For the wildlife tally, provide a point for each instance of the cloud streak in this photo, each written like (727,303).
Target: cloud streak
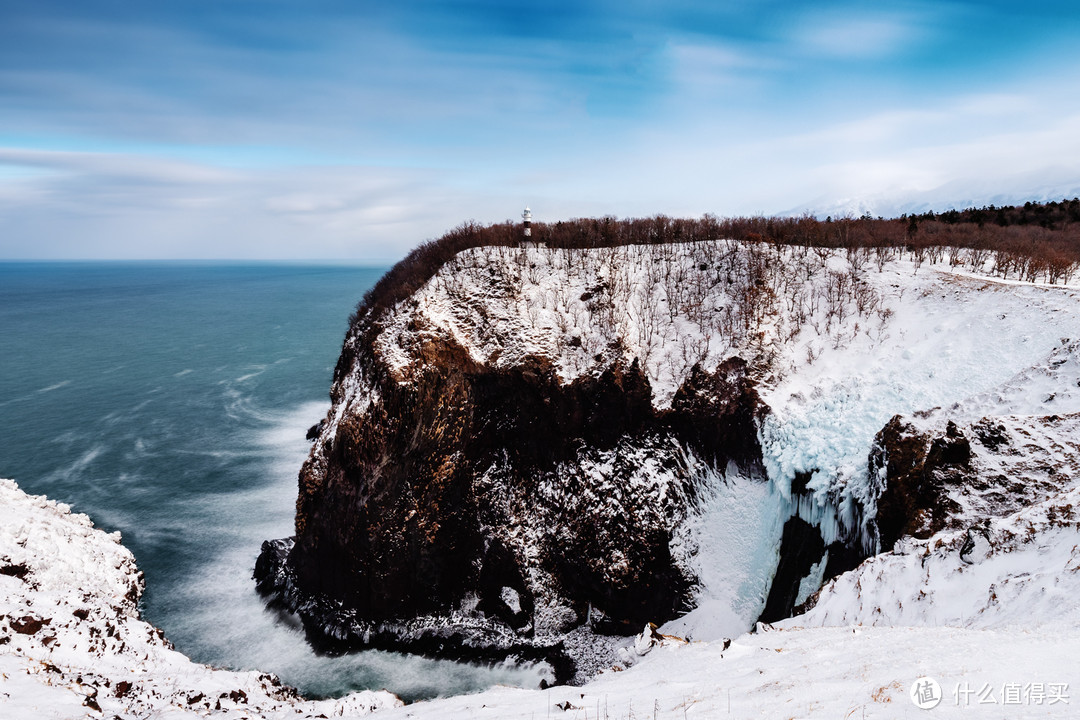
(332,129)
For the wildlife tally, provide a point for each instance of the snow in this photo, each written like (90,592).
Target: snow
(998,629)
(799,673)
(1024,649)
(732,545)
(1023,567)
(632,475)
(998,621)
(952,339)
(838,341)
(72,644)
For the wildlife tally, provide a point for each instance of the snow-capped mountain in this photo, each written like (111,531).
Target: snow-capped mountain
(1053,184)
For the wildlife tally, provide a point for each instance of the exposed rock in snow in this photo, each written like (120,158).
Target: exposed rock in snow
(1006,554)
(72,644)
(581,426)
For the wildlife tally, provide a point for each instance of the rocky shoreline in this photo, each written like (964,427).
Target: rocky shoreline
(72,642)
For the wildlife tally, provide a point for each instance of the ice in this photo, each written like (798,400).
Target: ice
(733,544)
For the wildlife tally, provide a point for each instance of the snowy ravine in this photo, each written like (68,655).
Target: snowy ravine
(962,388)
(990,612)
(72,644)
(833,343)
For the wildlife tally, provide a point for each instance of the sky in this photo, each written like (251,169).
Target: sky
(316,129)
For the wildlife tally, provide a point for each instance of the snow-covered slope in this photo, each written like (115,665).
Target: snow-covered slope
(825,672)
(1009,555)
(72,644)
(986,608)
(837,345)
(838,342)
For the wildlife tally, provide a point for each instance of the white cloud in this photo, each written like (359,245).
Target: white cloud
(122,205)
(855,38)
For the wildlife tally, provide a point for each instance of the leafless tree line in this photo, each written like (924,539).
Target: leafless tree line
(671,305)
(1036,242)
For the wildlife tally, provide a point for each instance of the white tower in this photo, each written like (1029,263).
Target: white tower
(527,217)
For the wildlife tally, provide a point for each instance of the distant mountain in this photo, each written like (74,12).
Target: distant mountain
(1044,186)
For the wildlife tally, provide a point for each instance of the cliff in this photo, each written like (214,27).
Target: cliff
(541,445)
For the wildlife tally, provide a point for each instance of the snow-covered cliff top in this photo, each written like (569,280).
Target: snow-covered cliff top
(839,342)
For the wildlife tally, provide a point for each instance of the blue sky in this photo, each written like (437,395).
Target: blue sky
(273,129)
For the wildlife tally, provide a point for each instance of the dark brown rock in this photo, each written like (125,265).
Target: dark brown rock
(402,513)
(716,414)
(29,625)
(18,570)
(918,470)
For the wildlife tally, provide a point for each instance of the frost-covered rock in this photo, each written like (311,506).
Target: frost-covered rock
(72,644)
(1006,554)
(617,435)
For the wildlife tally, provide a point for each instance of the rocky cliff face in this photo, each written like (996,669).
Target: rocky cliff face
(512,505)
(541,445)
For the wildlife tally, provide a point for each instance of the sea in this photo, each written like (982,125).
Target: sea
(169,401)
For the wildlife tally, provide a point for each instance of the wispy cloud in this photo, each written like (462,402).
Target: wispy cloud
(351,130)
(107,205)
(859,37)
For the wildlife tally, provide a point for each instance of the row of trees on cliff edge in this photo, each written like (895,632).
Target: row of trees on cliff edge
(1030,242)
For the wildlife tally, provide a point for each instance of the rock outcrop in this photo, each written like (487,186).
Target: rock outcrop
(938,475)
(918,470)
(480,511)
(518,444)
(514,449)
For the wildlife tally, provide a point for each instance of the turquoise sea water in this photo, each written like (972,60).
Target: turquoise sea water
(169,401)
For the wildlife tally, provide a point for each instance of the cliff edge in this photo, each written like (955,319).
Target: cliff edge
(542,446)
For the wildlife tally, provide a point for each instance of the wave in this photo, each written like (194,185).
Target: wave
(57,386)
(227,623)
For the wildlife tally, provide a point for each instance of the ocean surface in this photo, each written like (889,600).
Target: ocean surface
(169,401)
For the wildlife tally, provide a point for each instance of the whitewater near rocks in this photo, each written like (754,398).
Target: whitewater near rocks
(961,387)
(72,644)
